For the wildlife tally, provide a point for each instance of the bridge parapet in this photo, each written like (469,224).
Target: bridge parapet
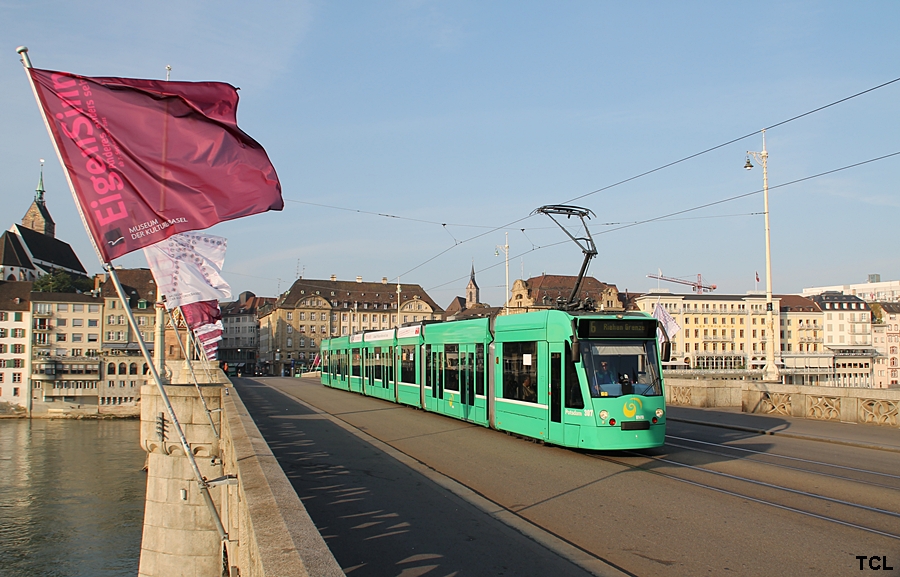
(840,404)
(269,531)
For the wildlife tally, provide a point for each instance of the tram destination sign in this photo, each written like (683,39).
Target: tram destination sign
(616,329)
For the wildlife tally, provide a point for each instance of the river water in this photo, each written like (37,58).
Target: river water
(71,497)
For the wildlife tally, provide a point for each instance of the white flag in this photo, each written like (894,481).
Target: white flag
(669,324)
(187,268)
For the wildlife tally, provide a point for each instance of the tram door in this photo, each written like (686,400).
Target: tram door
(555,428)
(356,381)
(437,389)
(467,381)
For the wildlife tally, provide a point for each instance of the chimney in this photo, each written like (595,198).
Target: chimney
(333,278)
(384,280)
(359,279)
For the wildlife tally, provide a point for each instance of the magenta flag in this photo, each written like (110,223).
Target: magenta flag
(201,313)
(151,158)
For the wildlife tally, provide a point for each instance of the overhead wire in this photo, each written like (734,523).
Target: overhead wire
(732,141)
(673,163)
(692,209)
(615,184)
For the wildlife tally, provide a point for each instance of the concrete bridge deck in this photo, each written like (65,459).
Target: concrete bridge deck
(372,485)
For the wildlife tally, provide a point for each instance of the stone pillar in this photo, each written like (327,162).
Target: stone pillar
(180,537)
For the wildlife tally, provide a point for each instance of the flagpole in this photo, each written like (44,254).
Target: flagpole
(204,486)
(201,480)
(26,62)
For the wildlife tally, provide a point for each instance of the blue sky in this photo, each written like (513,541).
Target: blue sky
(474,114)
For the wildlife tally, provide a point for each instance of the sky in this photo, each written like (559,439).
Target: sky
(458,119)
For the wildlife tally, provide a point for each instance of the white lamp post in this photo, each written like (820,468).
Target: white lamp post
(770,372)
(505,249)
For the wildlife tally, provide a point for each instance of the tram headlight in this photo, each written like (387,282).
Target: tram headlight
(659,412)
(604,414)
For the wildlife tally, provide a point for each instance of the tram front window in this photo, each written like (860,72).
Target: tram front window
(616,368)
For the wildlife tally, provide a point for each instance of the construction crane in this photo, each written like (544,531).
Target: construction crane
(697,285)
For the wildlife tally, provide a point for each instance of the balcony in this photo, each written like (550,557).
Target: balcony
(42,325)
(47,368)
(42,314)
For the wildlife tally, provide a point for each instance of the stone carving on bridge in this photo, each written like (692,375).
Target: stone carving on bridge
(824,408)
(681,395)
(776,404)
(879,412)
(174,448)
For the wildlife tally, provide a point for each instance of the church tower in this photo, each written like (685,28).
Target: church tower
(473,293)
(38,217)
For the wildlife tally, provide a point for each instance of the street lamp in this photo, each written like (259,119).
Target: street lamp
(505,249)
(770,372)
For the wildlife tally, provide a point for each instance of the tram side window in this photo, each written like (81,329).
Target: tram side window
(520,371)
(408,364)
(574,398)
(479,369)
(429,366)
(451,367)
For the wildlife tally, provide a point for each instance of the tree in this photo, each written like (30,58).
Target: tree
(58,281)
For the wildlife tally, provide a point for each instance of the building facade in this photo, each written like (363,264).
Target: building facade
(875,290)
(124,367)
(15,346)
(239,347)
(886,341)
(848,335)
(292,329)
(805,360)
(66,353)
(817,341)
(545,291)
(726,332)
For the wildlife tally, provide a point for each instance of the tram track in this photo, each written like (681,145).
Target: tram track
(729,450)
(830,504)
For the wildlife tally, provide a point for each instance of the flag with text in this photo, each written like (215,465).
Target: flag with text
(148,159)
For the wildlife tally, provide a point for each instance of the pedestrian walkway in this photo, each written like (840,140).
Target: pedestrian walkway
(883,438)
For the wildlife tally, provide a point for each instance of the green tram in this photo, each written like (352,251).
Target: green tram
(585,380)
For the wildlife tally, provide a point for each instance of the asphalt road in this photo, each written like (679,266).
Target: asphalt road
(396,491)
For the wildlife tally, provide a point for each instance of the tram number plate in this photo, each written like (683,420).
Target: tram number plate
(635,425)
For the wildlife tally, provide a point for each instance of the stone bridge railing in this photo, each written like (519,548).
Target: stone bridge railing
(843,404)
(268,530)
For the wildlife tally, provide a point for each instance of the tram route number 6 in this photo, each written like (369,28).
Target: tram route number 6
(875,563)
